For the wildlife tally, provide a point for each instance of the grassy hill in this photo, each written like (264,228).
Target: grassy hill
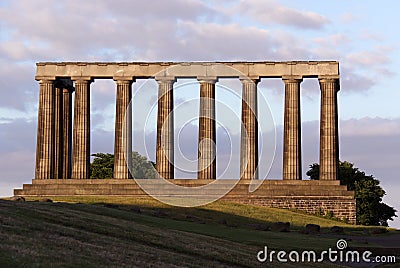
(123,231)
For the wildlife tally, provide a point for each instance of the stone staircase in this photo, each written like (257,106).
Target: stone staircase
(310,196)
(130,187)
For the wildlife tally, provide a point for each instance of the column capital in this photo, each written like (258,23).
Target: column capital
(292,79)
(124,79)
(165,79)
(329,80)
(45,79)
(328,77)
(207,79)
(249,80)
(82,79)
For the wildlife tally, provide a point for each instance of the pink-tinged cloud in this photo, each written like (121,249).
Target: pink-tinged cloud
(368,126)
(338,39)
(273,12)
(376,57)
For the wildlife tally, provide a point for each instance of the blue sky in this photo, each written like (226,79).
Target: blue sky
(361,35)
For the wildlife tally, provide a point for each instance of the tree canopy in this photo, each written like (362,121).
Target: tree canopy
(102,166)
(368,194)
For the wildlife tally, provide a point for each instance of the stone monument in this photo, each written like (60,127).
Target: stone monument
(63,142)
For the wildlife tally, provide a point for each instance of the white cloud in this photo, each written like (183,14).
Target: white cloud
(214,41)
(376,57)
(273,12)
(360,69)
(82,30)
(347,17)
(338,39)
(367,126)
(353,81)
(18,87)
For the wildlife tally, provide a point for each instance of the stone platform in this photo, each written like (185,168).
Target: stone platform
(310,196)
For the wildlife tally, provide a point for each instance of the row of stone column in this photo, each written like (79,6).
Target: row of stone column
(207,130)
(63,152)
(329,146)
(249,135)
(58,158)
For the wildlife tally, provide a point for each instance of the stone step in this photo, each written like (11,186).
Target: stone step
(213,192)
(243,189)
(268,188)
(189,182)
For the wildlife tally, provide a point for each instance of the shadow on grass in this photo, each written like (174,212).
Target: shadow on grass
(94,231)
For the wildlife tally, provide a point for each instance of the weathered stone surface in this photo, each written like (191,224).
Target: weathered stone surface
(312,228)
(337,229)
(249,131)
(309,69)
(259,227)
(59,137)
(165,129)
(207,131)
(45,134)
(280,227)
(67,133)
(81,132)
(305,195)
(329,140)
(63,129)
(123,129)
(18,198)
(292,130)
(44,200)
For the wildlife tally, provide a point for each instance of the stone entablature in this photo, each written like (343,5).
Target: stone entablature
(110,70)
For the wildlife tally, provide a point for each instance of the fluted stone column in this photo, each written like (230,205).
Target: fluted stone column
(59,136)
(249,131)
(292,130)
(165,128)
(329,145)
(45,136)
(81,131)
(123,129)
(207,130)
(67,133)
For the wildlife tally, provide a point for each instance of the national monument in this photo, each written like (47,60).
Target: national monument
(63,142)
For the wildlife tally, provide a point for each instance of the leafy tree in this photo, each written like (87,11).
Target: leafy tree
(102,166)
(368,193)
(142,168)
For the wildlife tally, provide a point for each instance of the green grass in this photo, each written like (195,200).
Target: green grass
(110,231)
(235,214)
